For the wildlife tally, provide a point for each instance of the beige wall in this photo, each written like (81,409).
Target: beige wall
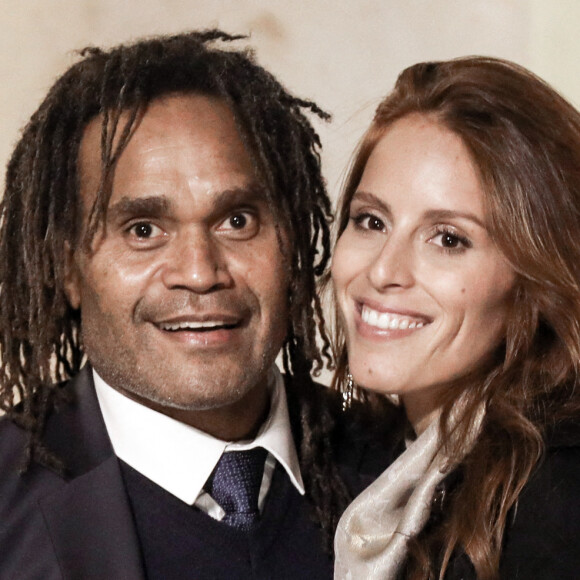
(343,53)
(555,44)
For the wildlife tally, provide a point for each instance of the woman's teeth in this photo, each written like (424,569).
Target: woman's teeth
(388,320)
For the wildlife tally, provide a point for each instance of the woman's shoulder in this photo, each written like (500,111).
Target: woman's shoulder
(542,540)
(554,485)
(564,434)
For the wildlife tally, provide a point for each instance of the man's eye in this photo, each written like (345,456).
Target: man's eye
(238,221)
(241,225)
(145,230)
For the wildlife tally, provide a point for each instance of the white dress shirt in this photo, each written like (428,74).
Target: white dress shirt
(180,458)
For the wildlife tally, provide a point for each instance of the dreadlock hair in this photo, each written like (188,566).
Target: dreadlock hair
(40,334)
(524,141)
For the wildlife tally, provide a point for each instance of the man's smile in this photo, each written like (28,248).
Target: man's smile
(195,326)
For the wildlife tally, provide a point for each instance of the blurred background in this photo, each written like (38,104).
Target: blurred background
(344,54)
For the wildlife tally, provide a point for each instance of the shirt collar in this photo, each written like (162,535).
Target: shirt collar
(180,458)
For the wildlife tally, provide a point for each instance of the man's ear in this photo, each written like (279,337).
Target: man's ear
(72,277)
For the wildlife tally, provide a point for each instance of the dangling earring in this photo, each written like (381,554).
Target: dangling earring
(347,394)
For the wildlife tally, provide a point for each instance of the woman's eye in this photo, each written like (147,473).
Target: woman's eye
(450,241)
(368,221)
(145,230)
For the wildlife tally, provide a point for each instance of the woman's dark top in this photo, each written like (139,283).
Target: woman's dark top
(542,538)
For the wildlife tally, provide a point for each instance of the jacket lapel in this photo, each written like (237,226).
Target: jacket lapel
(88,517)
(90,524)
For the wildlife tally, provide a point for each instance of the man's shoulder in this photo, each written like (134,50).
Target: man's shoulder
(65,424)
(13,441)
(23,544)
(40,505)
(22,481)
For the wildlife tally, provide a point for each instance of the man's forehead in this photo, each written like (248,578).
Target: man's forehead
(161,125)
(92,137)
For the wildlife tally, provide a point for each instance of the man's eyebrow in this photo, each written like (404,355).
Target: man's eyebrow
(431,214)
(151,206)
(160,205)
(253,192)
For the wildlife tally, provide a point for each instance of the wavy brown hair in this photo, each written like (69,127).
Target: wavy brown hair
(524,140)
(40,334)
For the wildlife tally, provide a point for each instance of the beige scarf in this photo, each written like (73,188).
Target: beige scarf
(372,535)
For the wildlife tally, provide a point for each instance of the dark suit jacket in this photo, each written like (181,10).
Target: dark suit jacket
(81,526)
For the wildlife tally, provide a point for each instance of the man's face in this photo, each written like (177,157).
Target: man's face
(183,298)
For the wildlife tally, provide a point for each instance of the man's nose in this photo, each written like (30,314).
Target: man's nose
(196,262)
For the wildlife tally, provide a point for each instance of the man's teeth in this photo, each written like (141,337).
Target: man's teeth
(191,325)
(388,320)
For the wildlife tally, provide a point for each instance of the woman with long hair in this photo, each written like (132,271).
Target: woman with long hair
(457,283)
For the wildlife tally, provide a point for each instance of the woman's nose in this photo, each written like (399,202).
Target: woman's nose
(393,264)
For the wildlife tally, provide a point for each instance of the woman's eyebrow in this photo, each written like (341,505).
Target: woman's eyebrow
(430,214)
(366,196)
(444,214)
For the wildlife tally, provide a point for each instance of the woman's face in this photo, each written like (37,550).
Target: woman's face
(422,290)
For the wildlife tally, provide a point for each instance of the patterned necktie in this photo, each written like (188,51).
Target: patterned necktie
(235,486)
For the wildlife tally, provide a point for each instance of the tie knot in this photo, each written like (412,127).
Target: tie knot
(235,485)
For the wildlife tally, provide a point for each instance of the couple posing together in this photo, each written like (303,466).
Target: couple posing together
(164,228)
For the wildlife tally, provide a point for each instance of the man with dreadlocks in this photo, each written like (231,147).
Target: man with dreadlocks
(163,224)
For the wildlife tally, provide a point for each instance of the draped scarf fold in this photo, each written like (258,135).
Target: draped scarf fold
(372,534)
